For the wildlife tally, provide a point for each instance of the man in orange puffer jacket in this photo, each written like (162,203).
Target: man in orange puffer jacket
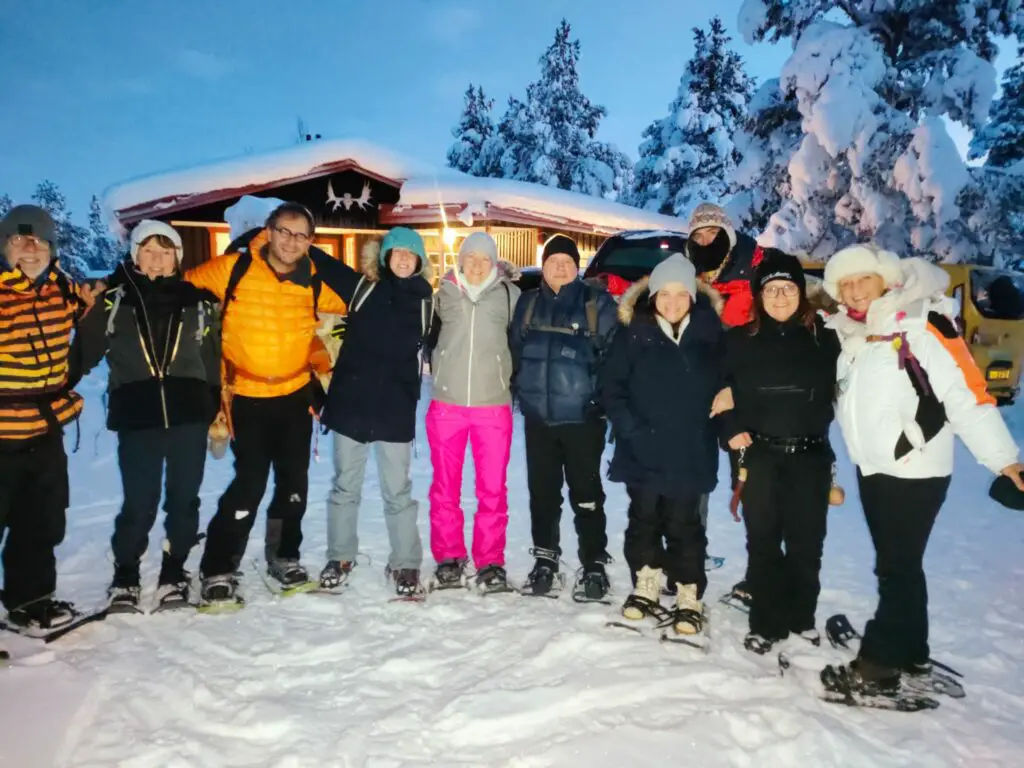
(269,329)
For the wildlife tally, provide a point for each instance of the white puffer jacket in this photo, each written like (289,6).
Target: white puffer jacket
(877,402)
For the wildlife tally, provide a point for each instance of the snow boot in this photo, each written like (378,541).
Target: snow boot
(647,590)
(861,677)
(124,590)
(43,615)
(544,576)
(592,584)
(758,643)
(335,574)
(492,579)
(173,585)
(220,593)
(288,572)
(449,574)
(407,582)
(689,611)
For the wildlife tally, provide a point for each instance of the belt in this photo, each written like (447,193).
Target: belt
(790,444)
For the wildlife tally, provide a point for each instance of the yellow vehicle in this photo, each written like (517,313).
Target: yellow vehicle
(990,306)
(990,317)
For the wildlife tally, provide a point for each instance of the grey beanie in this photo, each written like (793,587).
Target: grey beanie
(29,220)
(481,244)
(675,269)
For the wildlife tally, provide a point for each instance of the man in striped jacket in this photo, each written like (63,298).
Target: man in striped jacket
(39,307)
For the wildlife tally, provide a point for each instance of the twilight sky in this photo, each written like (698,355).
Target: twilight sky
(97,91)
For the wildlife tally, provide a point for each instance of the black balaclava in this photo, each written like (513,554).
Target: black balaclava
(708,258)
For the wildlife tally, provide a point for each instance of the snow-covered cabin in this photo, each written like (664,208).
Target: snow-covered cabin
(358,190)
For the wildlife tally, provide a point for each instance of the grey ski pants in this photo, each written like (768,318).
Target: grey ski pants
(400,509)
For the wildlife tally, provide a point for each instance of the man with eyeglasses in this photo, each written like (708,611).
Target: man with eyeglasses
(39,309)
(270,294)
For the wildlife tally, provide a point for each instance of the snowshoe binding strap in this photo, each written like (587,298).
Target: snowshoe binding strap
(688,616)
(840,632)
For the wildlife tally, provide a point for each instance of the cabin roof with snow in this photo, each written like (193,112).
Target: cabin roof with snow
(354,183)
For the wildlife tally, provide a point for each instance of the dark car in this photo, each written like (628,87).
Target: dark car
(633,254)
(529,278)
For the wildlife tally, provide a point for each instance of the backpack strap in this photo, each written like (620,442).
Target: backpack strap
(238,271)
(591,310)
(531,305)
(317,284)
(508,299)
(112,307)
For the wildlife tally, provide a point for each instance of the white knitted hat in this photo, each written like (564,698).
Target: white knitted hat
(861,260)
(149,227)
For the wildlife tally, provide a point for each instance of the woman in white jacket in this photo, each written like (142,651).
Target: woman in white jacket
(907,384)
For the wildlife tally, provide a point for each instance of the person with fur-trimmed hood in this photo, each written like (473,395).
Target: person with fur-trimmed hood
(157,333)
(371,402)
(781,368)
(472,401)
(657,386)
(907,384)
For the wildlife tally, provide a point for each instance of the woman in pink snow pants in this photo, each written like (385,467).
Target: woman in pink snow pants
(471,367)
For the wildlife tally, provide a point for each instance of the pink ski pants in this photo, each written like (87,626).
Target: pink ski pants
(489,431)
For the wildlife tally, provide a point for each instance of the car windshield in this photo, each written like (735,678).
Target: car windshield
(633,259)
(998,294)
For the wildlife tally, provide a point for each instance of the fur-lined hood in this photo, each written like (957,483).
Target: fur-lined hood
(507,271)
(369,263)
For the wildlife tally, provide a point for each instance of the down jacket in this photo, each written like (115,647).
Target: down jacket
(270,326)
(879,408)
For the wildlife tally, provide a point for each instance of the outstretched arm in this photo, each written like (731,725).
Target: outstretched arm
(337,275)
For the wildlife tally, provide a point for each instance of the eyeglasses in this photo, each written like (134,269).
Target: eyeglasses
(774,291)
(286,233)
(29,242)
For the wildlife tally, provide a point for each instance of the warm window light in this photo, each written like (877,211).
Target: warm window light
(448,237)
(540,253)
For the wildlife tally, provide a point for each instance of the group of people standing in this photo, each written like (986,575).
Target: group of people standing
(719,347)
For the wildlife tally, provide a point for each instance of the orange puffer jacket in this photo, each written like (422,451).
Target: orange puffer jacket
(269,331)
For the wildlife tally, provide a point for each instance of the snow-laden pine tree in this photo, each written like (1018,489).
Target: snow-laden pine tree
(5,204)
(475,126)
(72,240)
(688,156)
(550,137)
(104,250)
(871,81)
(1003,136)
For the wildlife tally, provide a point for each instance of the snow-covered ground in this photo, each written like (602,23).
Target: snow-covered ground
(318,681)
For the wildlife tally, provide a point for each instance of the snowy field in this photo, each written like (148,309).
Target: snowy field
(322,681)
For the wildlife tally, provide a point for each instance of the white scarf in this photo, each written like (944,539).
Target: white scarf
(476,291)
(666,327)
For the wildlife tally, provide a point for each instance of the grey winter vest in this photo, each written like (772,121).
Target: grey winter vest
(472,365)
(127,355)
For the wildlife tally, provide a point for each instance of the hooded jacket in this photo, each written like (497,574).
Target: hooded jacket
(879,406)
(376,382)
(471,363)
(657,392)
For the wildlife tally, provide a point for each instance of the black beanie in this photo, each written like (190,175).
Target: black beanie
(1006,493)
(561,244)
(778,265)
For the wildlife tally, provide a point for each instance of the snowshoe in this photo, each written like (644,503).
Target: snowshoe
(712,563)
(124,599)
(879,689)
(449,574)
(492,580)
(926,679)
(840,632)
(219,594)
(285,578)
(738,597)
(688,619)
(335,575)
(758,644)
(591,585)
(407,585)
(49,619)
(544,580)
(172,597)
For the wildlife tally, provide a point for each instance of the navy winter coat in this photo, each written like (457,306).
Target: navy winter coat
(555,361)
(658,396)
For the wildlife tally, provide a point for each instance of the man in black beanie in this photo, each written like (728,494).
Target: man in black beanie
(558,337)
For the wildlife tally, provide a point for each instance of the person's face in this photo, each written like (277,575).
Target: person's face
(780,299)
(476,267)
(289,239)
(858,291)
(559,269)
(673,302)
(28,253)
(156,260)
(705,235)
(402,262)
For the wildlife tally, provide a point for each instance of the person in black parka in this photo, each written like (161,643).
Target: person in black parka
(159,338)
(657,387)
(782,372)
(372,398)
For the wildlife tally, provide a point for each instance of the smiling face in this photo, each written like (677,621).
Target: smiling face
(780,299)
(559,270)
(28,253)
(156,258)
(673,302)
(858,291)
(402,262)
(476,267)
(290,236)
